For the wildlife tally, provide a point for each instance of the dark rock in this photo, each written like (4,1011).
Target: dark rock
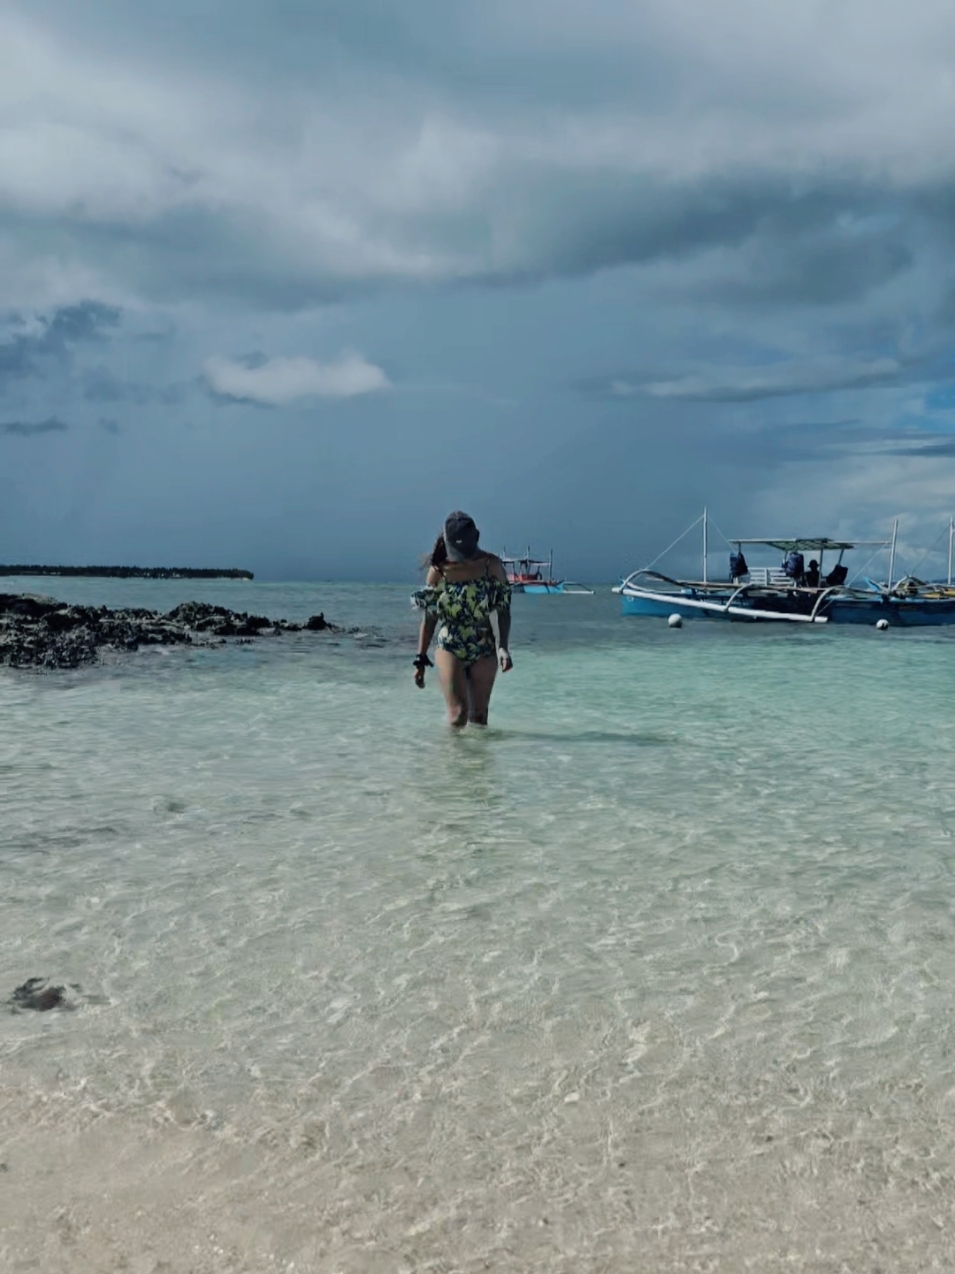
(59,621)
(35,994)
(198,615)
(28,604)
(41,632)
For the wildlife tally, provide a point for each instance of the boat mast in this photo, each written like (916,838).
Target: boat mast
(895,536)
(704,544)
(951,538)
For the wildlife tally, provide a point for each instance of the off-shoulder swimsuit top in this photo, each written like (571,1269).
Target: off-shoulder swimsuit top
(463,609)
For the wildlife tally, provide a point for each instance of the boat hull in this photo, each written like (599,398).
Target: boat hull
(565,588)
(733,605)
(900,612)
(660,608)
(536,588)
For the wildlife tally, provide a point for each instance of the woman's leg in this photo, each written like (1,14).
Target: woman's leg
(480,684)
(454,683)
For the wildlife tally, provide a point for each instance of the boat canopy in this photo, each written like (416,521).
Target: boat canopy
(820,544)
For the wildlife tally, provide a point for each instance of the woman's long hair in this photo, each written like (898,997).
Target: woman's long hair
(438,555)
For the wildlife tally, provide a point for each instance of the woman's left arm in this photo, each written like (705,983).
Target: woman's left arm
(503,618)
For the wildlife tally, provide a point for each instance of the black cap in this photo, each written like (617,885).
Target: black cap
(460,536)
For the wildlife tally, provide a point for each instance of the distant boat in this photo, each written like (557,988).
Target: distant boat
(536,575)
(791,593)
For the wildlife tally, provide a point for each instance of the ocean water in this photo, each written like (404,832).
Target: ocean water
(654,974)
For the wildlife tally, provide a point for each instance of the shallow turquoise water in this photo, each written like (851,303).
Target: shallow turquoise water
(653,974)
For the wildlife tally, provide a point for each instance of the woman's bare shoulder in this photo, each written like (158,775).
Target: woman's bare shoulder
(496,567)
(434,576)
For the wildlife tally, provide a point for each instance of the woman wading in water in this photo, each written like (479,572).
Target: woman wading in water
(468,600)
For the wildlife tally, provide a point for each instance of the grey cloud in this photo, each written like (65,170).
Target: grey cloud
(431,174)
(110,426)
(527,223)
(828,442)
(53,336)
(945,448)
(222,253)
(704,197)
(463,48)
(30,429)
(783,379)
(74,323)
(751,241)
(746,385)
(801,442)
(841,268)
(531,222)
(576,223)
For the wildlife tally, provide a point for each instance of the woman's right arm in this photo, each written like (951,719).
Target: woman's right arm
(429,622)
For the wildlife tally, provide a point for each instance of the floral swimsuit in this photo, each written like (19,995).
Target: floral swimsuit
(463,610)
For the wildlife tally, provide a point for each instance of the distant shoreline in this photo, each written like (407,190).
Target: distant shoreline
(131,572)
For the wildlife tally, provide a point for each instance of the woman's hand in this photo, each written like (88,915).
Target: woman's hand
(420,663)
(505,660)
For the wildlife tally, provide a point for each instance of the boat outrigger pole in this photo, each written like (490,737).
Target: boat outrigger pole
(951,539)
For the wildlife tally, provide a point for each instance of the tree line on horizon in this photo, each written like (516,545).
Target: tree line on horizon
(132,572)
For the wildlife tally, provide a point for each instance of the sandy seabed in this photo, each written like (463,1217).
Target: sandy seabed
(86,1192)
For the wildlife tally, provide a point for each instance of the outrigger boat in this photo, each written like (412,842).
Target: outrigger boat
(535,575)
(792,593)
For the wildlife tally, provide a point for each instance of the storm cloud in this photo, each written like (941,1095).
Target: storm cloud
(720,222)
(28,342)
(30,429)
(482,145)
(744,385)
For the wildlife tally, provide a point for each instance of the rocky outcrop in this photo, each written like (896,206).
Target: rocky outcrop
(41,632)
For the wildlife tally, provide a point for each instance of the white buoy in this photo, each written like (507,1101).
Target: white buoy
(675,621)
(882,625)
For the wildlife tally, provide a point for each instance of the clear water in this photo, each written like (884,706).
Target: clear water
(654,974)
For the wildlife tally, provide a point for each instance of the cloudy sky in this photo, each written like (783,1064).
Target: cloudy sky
(284,281)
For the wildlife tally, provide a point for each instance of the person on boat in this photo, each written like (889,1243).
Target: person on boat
(793,566)
(468,600)
(812,574)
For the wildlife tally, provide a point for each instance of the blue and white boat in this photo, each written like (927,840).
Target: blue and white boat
(536,575)
(793,592)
